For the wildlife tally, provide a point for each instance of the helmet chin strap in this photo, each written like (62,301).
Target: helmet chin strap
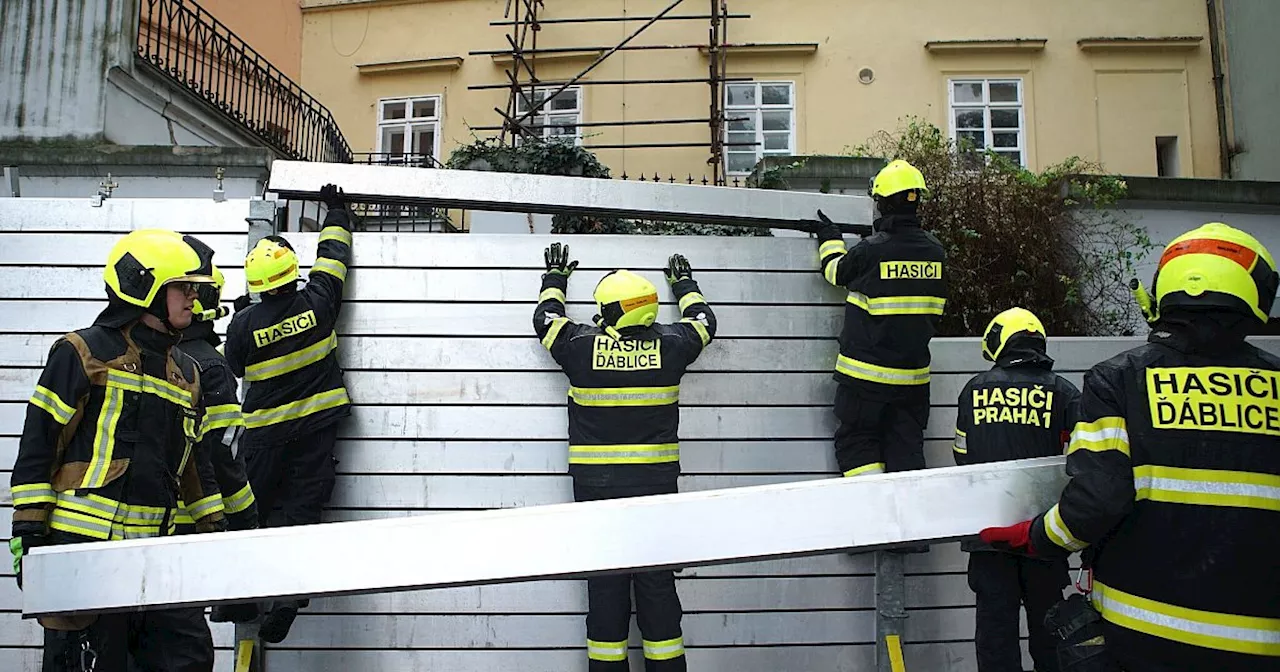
(211,314)
(608,329)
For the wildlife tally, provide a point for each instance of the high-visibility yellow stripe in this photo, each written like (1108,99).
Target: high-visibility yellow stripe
(691,299)
(1207,487)
(667,649)
(244,655)
(645,453)
(110,511)
(335,233)
(104,437)
(221,417)
(961,444)
(1224,632)
(297,409)
(331,266)
(699,327)
(830,270)
(898,305)
(881,374)
(610,652)
(49,401)
(866,470)
(150,385)
(552,333)
(206,506)
(625,396)
(1101,435)
(1059,533)
(831,247)
(893,644)
(32,493)
(278,366)
(552,293)
(241,500)
(77,523)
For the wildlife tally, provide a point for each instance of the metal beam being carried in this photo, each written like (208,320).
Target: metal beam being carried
(549,194)
(459,549)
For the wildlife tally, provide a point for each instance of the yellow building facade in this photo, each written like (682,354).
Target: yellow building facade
(1129,83)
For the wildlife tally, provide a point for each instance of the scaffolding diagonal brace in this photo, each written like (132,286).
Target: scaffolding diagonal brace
(476,548)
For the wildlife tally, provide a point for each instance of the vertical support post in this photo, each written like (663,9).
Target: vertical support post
(9,185)
(891,611)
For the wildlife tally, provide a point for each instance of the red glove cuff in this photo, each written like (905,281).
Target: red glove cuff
(1017,537)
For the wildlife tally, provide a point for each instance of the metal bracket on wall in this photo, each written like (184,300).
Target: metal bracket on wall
(104,191)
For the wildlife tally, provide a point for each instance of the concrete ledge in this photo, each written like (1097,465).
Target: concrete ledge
(1187,190)
(35,154)
(1002,46)
(1175,43)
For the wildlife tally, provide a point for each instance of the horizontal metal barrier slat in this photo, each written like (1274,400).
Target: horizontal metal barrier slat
(90,249)
(199,216)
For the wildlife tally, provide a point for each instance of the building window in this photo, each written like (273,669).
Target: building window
(987,114)
(761,122)
(409,130)
(557,119)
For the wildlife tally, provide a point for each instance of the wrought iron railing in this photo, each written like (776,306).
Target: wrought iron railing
(187,44)
(390,159)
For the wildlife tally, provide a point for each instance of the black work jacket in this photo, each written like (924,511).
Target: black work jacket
(624,394)
(897,293)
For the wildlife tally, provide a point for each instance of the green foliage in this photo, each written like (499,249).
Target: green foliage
(557,157)
(1048,241)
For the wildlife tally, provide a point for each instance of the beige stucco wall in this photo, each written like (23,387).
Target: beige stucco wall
(272,27)
(1107,105)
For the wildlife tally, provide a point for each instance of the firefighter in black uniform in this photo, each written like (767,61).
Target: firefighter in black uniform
(1175,471)
(624,376)
(285,348)
(1019,409)
(896,296)
(110,443)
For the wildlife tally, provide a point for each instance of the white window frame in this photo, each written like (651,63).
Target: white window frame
(409,121)
(543,113)
(756,110)
(986,106)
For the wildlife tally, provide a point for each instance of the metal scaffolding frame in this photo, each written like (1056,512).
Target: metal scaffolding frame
(524,20)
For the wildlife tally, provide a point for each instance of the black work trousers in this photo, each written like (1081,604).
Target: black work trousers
(296,475)
(658,610)
(171,640)
(1003,583)
(877,436)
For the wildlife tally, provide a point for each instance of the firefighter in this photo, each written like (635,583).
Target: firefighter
(896,295)
(1019,409)
(285,348)
(1175,471)
(110,444)
(222,425)
(624,376)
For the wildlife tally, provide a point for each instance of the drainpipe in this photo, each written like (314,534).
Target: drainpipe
(1219,88)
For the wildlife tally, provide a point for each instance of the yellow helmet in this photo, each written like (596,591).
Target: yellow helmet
(897,177)
(625,299)
(1217,265)
(208,304)
(269,266)
(145,260)
(1005,326)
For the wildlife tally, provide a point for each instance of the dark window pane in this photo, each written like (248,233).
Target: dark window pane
(393,110)
(969,118)
(741,163)
(1004,92)
(775,94)
(777,141)
(971,139)
(1004,117)
(424,108)
(1005,139)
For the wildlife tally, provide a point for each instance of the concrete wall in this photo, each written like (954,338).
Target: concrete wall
(54,58)
(272,27)
(1251,28)
(1107,105)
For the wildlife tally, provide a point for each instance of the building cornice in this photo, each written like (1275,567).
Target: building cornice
(1174,43)
(444,63)
(1018,45)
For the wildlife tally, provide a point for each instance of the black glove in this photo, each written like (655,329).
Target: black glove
(19,546)
(677,269)
(333,197)
(558,262)
(242,302)
(827,229)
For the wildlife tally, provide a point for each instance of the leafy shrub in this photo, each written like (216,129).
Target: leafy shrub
(1047,241)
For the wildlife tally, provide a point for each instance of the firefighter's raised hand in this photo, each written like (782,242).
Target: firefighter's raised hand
(826,229)
(677,269)
(333,196)
(558,262)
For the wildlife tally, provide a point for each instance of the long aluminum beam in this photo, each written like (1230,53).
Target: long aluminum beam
(561,540)
(547,194)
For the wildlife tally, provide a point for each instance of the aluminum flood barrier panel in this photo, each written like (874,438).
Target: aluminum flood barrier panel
(550,194)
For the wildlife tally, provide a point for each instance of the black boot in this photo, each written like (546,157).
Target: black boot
(275,627)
